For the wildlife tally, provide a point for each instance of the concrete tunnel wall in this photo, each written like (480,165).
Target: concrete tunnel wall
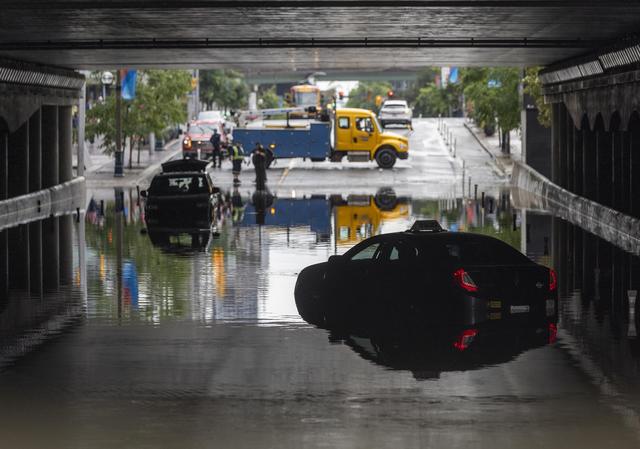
(35,170)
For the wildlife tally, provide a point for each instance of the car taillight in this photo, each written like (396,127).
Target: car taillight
(553,280)
(465,339)
(553,333)
(186,143)
(464,280)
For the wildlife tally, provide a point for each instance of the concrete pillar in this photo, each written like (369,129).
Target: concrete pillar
(65,150)
(536,139)
(4,193)
(634,167)
(19,185)
(562,146)
(50,162)
(588,264)
(555,142)
(35,184)
(66,249)
(577,257)
(50,177)
(625,179)
(603,167)
(569,167)
(577,161)
(617,194)
(589,163)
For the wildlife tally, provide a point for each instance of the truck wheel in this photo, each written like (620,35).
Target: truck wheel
(386,199)
(386,158)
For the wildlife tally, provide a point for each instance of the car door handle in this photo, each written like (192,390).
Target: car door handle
(355,140)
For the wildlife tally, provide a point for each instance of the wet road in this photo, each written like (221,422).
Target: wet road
(188,340)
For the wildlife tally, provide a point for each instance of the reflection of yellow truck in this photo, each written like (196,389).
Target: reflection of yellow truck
(360,216)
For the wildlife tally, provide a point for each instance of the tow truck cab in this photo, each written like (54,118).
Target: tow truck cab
(359,136)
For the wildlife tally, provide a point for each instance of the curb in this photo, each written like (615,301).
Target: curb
(493,157)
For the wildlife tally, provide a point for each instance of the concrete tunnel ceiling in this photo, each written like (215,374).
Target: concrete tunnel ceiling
(304,35)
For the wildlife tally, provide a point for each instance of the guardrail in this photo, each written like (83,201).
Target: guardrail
(609,224)
(61,199)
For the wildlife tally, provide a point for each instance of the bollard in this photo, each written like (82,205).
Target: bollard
(469,188)
(515,222)
(102,208)
(490,205)
(475,192)
(632,331)
(454,146)
(483,200)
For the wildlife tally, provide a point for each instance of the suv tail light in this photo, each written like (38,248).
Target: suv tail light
(186,143)
(553,280)
(464,280)
(465,339)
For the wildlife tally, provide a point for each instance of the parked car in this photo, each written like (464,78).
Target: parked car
(183,197)
(425,277)
(395,112)
(196,141)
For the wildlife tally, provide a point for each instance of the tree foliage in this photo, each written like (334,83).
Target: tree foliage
(224,88)
(364,95)
(270,99)
(533,87)
(161,98)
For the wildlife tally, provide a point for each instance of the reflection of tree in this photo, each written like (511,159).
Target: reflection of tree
(164,287)
(498,225)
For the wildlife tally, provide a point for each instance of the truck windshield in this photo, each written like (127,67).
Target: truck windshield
(306,99)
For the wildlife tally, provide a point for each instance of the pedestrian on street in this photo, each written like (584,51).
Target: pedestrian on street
(236,153)
(259,159)
(217,153)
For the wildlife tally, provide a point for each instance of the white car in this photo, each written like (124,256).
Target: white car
(211,115)
(395,112)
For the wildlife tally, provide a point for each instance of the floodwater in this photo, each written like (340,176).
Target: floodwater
(193,340)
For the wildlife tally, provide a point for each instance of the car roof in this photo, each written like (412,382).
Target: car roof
(391,102)
(440,236)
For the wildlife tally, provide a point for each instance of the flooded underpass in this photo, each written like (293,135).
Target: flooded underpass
(192,338)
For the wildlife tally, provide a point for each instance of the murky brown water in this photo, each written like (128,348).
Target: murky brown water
(194,340)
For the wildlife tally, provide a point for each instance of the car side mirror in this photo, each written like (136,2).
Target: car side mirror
(143,193)
(336,259)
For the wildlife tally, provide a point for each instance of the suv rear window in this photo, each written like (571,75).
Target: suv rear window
(179,184)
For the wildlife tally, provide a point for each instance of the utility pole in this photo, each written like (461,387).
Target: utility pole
(118,169)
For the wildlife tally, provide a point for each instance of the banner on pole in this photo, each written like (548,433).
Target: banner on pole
(129,84)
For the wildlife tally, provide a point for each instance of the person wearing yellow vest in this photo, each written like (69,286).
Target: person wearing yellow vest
(236,154)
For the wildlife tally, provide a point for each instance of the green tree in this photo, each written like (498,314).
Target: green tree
(364,95)
(493,94)
(161,99)
(269,98)
(224,87)
(533,86)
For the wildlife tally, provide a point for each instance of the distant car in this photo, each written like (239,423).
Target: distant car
(196,142)
(182,197)
(425,278)
(395,112)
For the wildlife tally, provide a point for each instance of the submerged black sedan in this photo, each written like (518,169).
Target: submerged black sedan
(426,278)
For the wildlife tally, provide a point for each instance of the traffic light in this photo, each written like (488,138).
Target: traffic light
(390,94)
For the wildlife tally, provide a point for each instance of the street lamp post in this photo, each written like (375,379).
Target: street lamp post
(118,168)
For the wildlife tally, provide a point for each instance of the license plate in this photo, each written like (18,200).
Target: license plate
(519,309)
(551,307)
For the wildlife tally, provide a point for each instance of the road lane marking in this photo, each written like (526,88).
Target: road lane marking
(286,171)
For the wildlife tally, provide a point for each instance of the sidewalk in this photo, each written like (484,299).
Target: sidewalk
(492,147)
(102,169)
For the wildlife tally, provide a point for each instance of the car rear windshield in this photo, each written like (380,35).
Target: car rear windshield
(197,129)
(484,252)
(394,105)
(178,185)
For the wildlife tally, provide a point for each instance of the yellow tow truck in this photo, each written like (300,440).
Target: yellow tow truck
(352,133)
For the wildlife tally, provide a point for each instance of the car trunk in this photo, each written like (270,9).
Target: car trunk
(517,294)
(184,210)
